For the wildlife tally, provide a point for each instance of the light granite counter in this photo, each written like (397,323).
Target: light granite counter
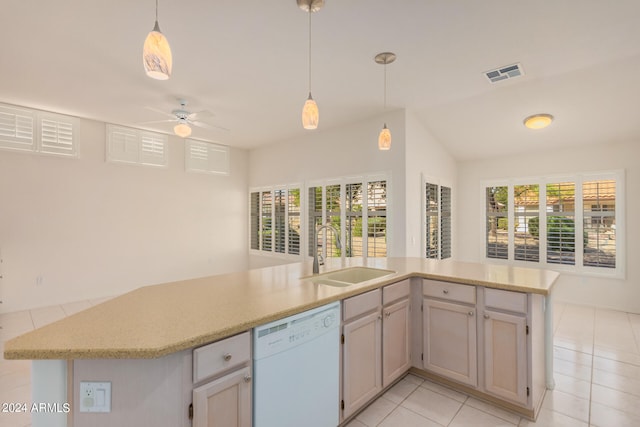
(158,320)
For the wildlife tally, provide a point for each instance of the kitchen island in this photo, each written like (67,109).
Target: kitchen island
(166,320)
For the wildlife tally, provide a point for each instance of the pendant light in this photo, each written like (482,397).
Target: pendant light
(384,139)
(310,113)
(156,54)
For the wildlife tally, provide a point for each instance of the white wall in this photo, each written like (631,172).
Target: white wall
(425,156)
(92,229)
(613,293)
(332,153)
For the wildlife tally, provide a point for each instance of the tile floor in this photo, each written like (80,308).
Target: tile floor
(597,374)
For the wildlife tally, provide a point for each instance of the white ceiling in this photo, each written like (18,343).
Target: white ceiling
(246,61)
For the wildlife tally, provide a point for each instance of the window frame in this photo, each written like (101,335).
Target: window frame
(618,272)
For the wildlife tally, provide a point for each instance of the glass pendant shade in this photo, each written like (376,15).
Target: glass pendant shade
(183,130)
(156,55)
(384,139)
(310,114)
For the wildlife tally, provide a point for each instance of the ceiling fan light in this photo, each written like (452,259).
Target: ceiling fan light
(156,55)
(310,114)
(538,121)
(384,139)
(183,130)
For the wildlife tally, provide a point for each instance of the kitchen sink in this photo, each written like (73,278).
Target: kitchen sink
(349,276)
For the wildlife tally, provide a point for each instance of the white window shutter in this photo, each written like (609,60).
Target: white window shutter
(17,128)
(153,149)
(206,157)
(127,145)
(122,144)
(58,134)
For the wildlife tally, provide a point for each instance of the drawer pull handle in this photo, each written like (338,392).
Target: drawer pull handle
(226,357)
(379,316)
(387,314)
(247,378)
(486,316)
(471,313)
(445,291)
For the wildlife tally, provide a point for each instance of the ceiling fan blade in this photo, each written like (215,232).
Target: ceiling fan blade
(157,121)
(207,125)
(199,115)
(164,113)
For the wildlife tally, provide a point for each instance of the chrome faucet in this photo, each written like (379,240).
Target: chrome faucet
(316,265)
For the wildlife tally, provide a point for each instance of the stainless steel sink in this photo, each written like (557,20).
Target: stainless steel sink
(349,276)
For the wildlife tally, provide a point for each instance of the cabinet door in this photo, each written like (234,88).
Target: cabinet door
(225,402)
(505,356)
(361,362)
(450,341)
(396,356)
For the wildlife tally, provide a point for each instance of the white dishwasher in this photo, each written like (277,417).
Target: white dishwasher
(296,370)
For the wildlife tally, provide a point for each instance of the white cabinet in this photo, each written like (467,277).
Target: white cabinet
(479,337)
(361,351)
(450,340)
(376,343)
(224,371)
(505,345)
(396,331)
(224,402)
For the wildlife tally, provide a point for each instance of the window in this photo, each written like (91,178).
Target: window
(526,222)
(580,228)
(357,209)
(206,157)
(275,220)
(497,224)
(134,146)
(437,221)
(38,131)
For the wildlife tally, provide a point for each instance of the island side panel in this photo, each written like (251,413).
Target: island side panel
(49,400)
(153,392)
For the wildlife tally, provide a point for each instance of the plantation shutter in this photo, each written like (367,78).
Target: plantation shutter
(431,218)
(445,222)
(57,135)
(122,144)
(377,219)
(16,128)
(254,206)
(561,225)
(599,213)
(206,157)
(526,222)
(497,224)
(294,226)
(153,149)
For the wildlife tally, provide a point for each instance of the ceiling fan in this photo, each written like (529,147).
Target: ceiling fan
(185,119)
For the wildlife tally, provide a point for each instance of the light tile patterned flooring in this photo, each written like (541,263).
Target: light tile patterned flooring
(596,364)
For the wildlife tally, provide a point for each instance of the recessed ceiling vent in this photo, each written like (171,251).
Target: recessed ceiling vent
(504,73)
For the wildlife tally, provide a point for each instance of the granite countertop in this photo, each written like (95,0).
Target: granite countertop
(158,320)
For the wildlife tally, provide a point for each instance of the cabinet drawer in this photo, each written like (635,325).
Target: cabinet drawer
(396,291)
(505,300)
(220,356)
(361,304)
(449,291)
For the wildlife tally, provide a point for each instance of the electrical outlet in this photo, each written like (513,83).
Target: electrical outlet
(95,396)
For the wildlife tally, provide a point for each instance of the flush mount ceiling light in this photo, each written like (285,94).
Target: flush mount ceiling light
(384,139)
(310,113)
(182,129)
(156,54)
(538,121)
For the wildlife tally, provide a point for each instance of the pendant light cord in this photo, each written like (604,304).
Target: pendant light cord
(156,10)
(309,49)
(385,86)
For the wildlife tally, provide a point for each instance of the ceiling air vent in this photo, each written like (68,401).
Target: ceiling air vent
(504,73)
